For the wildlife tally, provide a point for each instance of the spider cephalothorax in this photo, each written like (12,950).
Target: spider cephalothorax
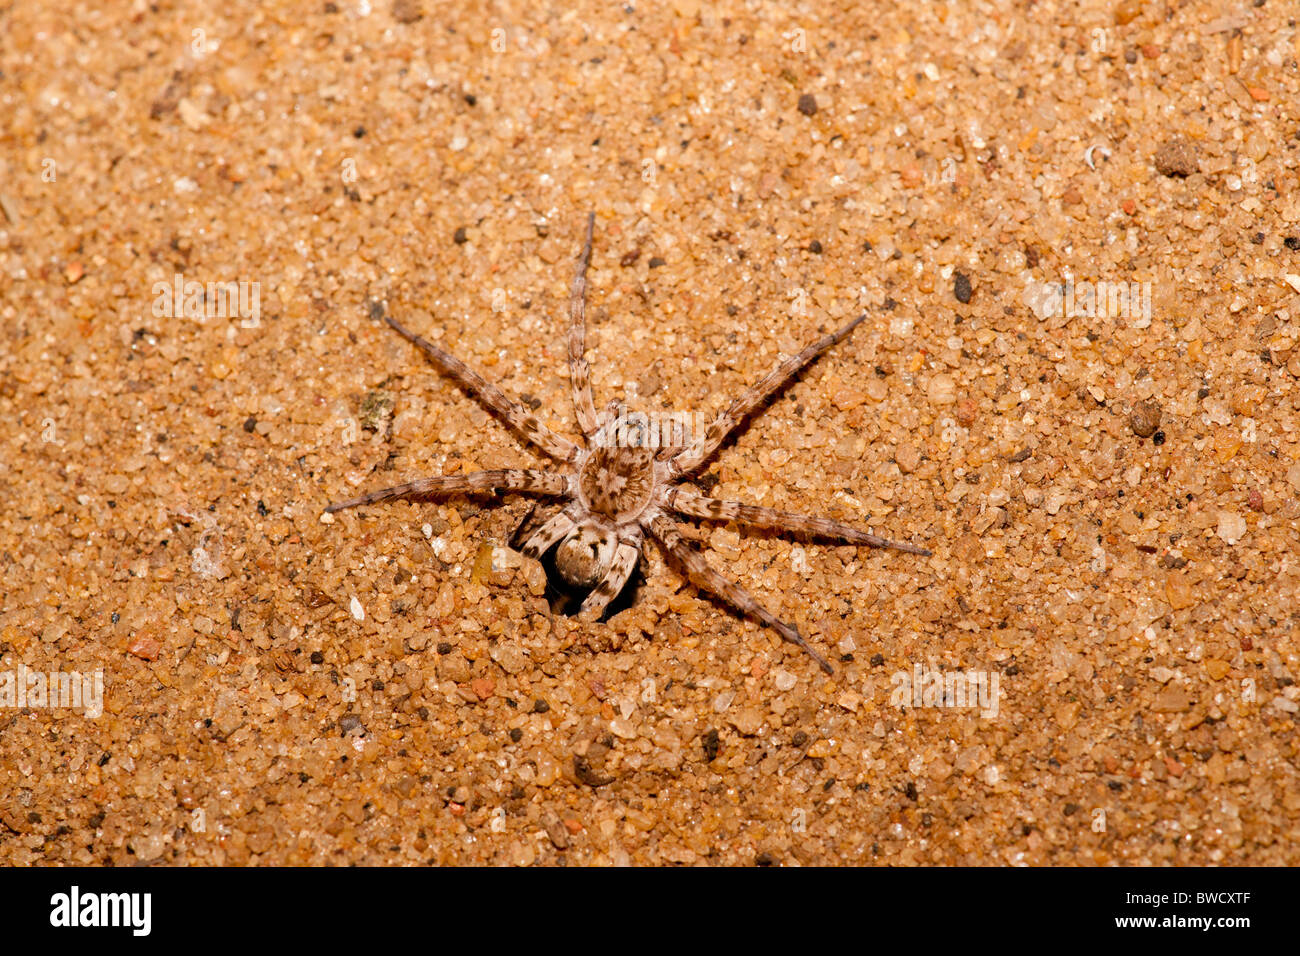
(617,483)
(626,482)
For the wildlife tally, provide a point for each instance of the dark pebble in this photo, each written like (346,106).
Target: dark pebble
(808,104)
(961,287)
(583,770)
(407,11)
(249,424)
(460,238)
(349,723)
(711,745)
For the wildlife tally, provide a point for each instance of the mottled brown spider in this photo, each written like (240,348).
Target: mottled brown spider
(616,492)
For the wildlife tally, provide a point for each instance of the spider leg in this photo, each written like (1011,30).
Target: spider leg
(530,481)
(579,370)
(620,569)
(525,424)
(551,531)
(702,448)
(704,576)
(690,502)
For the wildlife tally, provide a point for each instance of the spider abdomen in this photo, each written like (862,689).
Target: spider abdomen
(583,557)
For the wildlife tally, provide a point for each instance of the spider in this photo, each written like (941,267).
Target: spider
(617,492)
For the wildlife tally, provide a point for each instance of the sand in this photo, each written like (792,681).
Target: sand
(1110,486)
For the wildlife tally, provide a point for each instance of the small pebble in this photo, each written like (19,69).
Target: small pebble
(942,389)
(1145,418)
(1176,157)
(146,648)
(908,458)
(1126,11)
(407,11)
(1232,527)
